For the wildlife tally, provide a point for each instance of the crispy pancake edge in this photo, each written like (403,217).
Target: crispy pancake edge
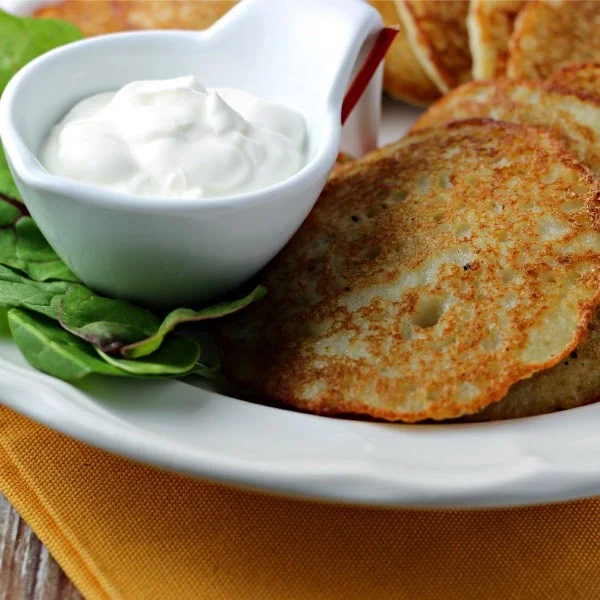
(423,48)
(404,77)
(490,24)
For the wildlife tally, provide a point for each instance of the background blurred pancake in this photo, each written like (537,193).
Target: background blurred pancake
(437,32)
(582,78)
(550,34)
(490,24)
(430,277)
(576,120)
(95,17)
(404,78)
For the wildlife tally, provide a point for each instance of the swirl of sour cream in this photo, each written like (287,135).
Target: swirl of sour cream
(175,138)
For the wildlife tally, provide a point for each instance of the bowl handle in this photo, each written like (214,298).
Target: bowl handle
(320,43)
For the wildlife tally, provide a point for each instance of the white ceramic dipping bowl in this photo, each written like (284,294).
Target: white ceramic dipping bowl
(168,252)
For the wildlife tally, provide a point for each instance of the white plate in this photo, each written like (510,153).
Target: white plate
(195,430)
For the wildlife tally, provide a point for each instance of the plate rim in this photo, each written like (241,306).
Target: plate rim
(526,481)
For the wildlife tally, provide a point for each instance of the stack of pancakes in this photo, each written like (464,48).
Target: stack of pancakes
(456,272)
(444,44)
(441,43)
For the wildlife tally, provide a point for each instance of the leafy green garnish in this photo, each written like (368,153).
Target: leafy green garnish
(51,349)
(10,211)
(117,326)
(23,247)
(22,39)
(17,291)
(177,356)
(106,323)
(7,183)
(182,316)
(4,328)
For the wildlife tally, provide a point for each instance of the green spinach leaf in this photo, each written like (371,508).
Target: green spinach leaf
(23,247)
(10,211)
(53,350)
(22,39)
(4,328)
(176,357)
(7,183)
(118,326)
(17,291)
(49,348)
(181,316)
(106,323)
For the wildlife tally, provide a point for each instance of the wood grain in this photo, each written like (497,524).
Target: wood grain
(27,571)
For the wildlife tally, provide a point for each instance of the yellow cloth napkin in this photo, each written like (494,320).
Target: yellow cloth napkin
(124,530)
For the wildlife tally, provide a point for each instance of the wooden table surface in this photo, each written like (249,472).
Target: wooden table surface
(27,571)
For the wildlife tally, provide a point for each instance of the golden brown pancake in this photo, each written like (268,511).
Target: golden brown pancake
(576,120)
(490,24)
(95,17)
(430,277)
(551,34)
(404,78)
(437,32)
(580,78)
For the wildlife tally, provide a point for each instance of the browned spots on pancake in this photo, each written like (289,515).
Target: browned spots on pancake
(582,79)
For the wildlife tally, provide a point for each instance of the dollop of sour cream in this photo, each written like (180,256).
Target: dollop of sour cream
(175,138)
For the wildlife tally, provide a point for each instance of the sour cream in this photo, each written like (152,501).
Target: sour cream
(175,138)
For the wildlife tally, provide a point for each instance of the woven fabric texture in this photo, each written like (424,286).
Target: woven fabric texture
(122,530)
